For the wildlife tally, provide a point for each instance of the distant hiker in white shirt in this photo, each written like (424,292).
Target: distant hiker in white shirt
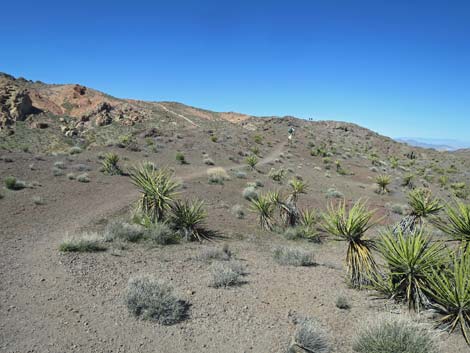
(291,133)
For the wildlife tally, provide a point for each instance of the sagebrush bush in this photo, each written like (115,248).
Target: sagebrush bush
(342,303)
(75,150)
(238,211)
(161,233)
(333,193)
(83,178)
(152,299)
(119,230)
(180,158)
(208,161)
(87,242)
(395,335)
(59,165)
(223,254)
(240,174)
(293,256)
(38,200)
(309,337)
(225,274)
(250,193)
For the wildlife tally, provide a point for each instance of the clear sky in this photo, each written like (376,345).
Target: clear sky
(401,68)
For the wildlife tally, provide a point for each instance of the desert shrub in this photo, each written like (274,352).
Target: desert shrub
(110,164)
(258,139)
(119,230)
(293,256)
(161,233)
(297,187)
(208,161)
(450,293)
(395,336)
(151,299)
(180,158)
(157,188)
(57,172)
(342,303)
(75,150)
(350,226)
(225,274)
(188,218)
(38,200)
(81,167)
(259,183)
(407,180)
(277,174)
(252,161)
(87,242)
(409,259)
(83,178)
(459,190)
(214,138)
(14,184)
(398,208)
(310,337)
(255,150)
(59,165)
(223,254)
(217,175)
(443,180)
(240,174)
(333,193)
(71,176)
(250,193)
(238,211)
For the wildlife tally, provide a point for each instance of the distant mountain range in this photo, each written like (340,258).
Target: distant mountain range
(435,143)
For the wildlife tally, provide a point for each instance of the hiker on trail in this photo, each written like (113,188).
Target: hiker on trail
(291,133)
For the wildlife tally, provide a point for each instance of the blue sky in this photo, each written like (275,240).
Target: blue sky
(401,68)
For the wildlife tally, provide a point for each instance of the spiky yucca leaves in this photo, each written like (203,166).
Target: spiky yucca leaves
(456,222)
(308,220)
(188,218)
(350,226)
(423,205)
(110,164)
(383,181)
(409,261)
(450,291)
(264,206)
(158,189)
(298,187)
(252,161)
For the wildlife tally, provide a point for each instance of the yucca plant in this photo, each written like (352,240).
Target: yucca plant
(188,218)
(456,222)
(450,293)
(298,187)
(408,180)
(110,164)
(252,161)
(423,205)
(409,260)
(264,206)
(350,226)
(308,220)
(383,181)
(158,189)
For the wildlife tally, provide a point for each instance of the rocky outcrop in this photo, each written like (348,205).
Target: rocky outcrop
(15,105)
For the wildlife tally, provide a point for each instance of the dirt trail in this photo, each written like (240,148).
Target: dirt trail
(178,115)
(31,264)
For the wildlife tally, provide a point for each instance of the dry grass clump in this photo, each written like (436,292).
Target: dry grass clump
(250,193)
(217,175)
(87,242)
(83,178)
(395,335)
(119,230)
(161,234)
(223,254)
(151,299)
(342,303)
(293,256)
